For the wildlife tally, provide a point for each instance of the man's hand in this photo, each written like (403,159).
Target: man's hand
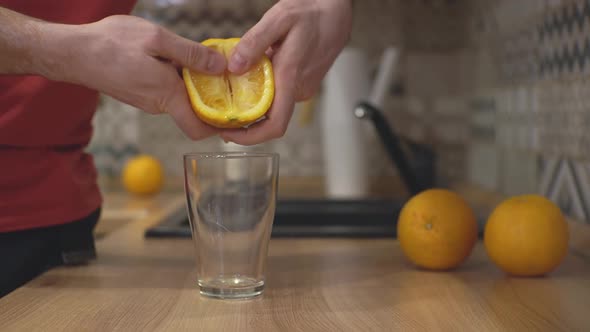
(303,38)
(126,57)
(137,63)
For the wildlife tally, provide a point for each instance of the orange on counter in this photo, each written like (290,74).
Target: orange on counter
(143,175)
(526,235)
(228,100)
(437,229)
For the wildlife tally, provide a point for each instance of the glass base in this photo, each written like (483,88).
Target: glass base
(234,287)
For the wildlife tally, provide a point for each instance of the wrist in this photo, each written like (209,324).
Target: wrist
(338,7)
(52,53)
(343,4)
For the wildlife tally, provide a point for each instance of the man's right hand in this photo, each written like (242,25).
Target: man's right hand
(134,61)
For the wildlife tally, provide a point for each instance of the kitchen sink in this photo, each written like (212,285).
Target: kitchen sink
(312,218)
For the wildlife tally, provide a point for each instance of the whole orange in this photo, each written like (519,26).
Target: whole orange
(526,235)
(143,175)
(437,229)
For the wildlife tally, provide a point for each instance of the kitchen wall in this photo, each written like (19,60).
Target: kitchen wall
(497,87)
(517,77)
(538,99)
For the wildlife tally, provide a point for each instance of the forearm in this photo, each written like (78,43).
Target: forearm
(29,45)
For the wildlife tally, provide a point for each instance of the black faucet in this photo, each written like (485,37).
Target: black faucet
(418,170)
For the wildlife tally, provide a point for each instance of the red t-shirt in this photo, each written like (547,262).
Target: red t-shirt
(46,178)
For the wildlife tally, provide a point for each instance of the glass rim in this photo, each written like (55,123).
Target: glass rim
(229,155)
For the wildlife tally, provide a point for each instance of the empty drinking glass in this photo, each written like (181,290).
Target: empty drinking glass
(231,199)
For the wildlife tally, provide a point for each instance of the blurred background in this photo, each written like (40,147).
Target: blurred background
(497,88)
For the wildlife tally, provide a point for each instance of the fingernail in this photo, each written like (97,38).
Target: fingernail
(236,63)
(216,63)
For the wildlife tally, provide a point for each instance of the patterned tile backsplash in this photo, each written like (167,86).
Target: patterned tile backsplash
(530,120)
(498,87)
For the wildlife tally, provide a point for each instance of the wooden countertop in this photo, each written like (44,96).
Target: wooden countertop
(140,284)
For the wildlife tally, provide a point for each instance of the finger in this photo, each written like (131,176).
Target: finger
(274,127)
(270,52)
(178,106)
(273,26)
(278,116)
(188,53)
(282,108)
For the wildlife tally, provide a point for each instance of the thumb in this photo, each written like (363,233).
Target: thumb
(273,26)
(190,54)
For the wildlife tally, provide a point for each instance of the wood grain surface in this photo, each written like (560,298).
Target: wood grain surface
(140,284)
